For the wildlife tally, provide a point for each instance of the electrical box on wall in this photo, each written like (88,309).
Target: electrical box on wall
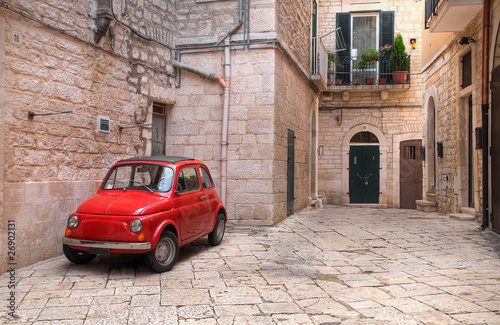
(103,124)
(440,151)
(479,138)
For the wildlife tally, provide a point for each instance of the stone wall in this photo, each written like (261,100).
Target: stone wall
(392,114)
(49,63)
(442,90)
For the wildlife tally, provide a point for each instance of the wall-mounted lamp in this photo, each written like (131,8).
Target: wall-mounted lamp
(466,40)
(104,15)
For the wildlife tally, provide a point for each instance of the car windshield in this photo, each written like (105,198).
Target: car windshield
(145,177)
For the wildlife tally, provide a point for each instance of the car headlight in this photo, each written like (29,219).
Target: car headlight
(136,225)
(73,221)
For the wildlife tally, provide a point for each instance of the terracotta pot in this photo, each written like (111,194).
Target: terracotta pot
(399,77)
(369,81)
(338,82)
(355,82)
(382,81)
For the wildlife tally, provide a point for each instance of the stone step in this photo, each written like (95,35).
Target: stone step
(430,197)
(462,217)
(426,206)
(467,210)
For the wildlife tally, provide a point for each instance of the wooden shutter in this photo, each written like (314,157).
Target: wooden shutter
(344,22)
(386,30)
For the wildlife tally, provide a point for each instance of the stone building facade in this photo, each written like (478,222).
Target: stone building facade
(53,61)
(452,113)
(389,114)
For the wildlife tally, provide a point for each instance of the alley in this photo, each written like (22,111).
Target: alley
(333,265)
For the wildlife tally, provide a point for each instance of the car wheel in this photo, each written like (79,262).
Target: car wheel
(76,256)
(215,237)
(165,254)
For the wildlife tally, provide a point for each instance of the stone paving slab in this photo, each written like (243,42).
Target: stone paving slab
(334,265)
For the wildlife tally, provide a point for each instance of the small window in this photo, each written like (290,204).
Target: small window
(188,180)
(467,70)
(206,181)
(410,152)
(364,137)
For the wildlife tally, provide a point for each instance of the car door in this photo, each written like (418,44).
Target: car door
(211,196)
(190,202)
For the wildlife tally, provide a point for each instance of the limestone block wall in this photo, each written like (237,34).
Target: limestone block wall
(295,105)
(394,118)
(443,93)
(50,164)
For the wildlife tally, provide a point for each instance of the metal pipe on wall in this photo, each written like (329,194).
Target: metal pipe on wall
(484,111)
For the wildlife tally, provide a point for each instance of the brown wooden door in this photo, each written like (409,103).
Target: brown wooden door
(495,151)
(410,177)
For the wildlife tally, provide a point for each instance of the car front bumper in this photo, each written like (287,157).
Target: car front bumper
(105,244)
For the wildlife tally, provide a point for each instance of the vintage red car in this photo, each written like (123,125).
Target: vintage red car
(149,206)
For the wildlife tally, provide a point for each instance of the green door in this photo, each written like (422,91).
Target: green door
(364,174)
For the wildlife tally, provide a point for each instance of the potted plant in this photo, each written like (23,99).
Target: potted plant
(383,55)
(398,61)
(368,58)
(333,63)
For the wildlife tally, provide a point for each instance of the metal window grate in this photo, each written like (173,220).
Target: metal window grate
(103,124)
(467,70)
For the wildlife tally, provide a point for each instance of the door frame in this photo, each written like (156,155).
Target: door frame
(346,142)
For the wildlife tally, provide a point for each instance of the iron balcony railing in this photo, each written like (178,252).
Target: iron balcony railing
(346,71)
(430,10)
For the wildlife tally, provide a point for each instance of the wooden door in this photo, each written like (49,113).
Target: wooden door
(364,174)
(410,176)
(495,150)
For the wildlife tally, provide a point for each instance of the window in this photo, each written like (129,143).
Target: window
(188,180)
(205,179)
(364,137)
(467,70)
(144,177)
(361,31)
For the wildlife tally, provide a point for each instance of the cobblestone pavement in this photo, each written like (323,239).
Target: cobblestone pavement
(327,266)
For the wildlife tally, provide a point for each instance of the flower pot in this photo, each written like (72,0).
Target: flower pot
(369,81)
(399,77)
(382,81)
(355,82)
(338,82)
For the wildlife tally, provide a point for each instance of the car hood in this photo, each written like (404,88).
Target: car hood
(130,203)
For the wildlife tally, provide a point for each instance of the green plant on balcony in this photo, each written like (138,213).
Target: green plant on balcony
(333,63)
(366,60)
(399,62)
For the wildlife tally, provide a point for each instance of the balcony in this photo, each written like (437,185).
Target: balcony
(347,75)
(450,15)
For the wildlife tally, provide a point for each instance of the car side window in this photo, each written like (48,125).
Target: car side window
(188,180)
(206,181)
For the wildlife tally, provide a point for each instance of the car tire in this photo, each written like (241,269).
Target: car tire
(76,256)
(163,257)
(215,237)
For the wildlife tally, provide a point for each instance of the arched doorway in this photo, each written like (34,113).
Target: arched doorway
(364,168)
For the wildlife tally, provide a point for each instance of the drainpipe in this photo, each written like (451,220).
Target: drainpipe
(225,121)
(225,112)
(484,111)
(200,72)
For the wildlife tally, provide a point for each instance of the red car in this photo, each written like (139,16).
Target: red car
(149,206)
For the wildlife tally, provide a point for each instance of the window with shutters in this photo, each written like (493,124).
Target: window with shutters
(361,31)
(467,70)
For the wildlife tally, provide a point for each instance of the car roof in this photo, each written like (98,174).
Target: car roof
(165,159)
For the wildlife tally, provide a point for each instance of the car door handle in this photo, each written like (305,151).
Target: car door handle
(204,197)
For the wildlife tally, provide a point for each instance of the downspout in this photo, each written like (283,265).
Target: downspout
(484,111)
(200,72)
(225,112)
